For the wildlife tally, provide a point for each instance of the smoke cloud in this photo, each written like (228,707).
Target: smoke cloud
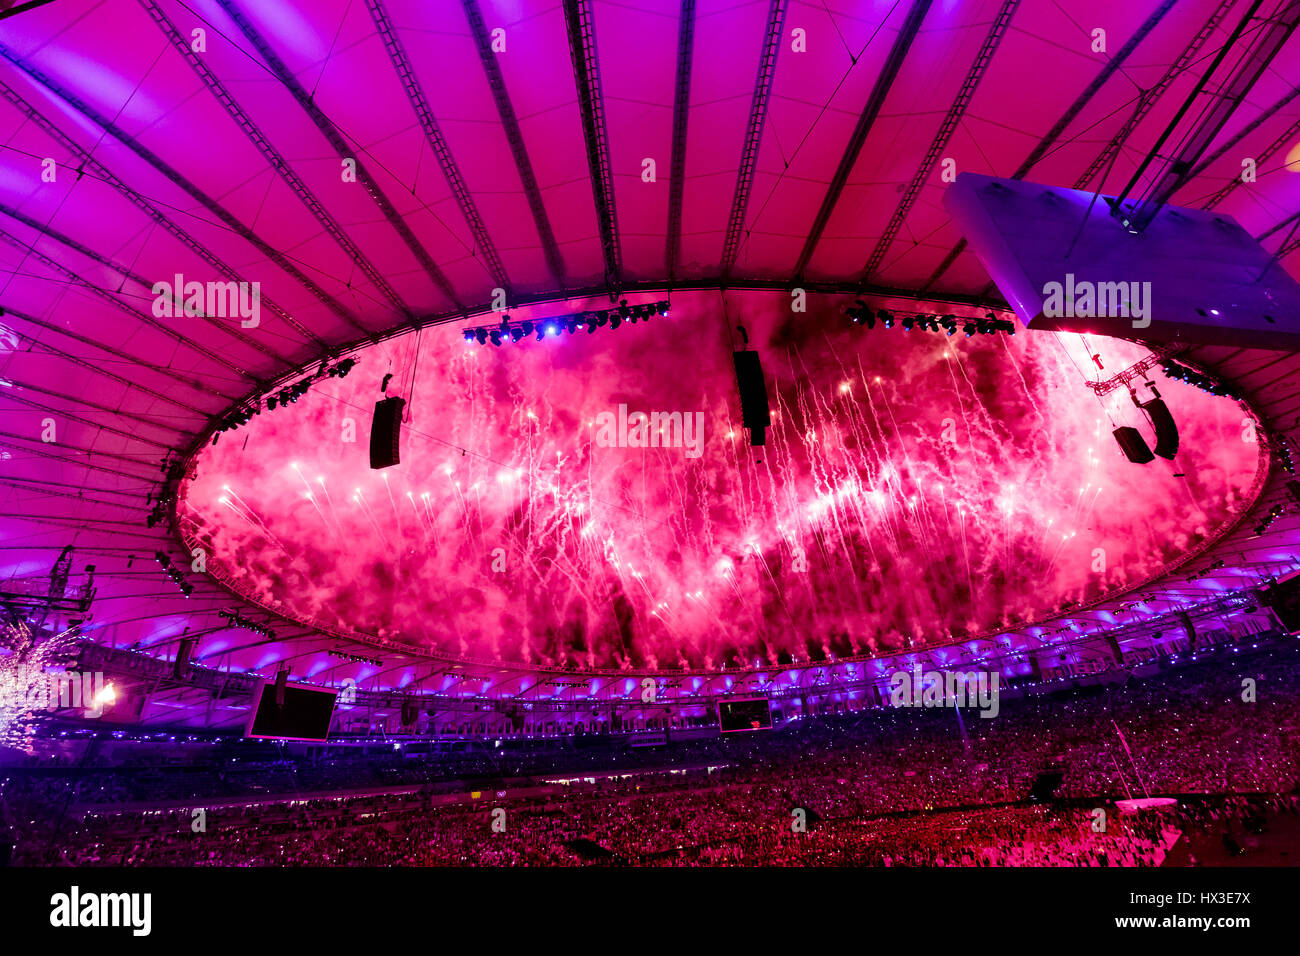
(914,488)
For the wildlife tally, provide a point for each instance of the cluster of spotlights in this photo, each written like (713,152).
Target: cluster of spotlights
(508,331)
(238,620)
(236,418)
(1282,454)
(175,471)
(1273,514)
(291,393)
(174,573)
(1212,566)
(355,657)
(860,314)
(157,515)
(285,397)
(288,395)
(1205,383)
(341,369)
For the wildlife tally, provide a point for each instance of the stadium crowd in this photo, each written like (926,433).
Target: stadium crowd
(880,787)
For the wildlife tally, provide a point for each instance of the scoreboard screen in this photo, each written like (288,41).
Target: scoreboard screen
(749,714)
(305,714)
(1284,598)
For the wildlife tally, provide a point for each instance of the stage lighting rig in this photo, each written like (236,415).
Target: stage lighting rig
(174,573)
(285,397)
(356,658)
(235,419)
(1205,383)
(1282,452)
(1207,570)
(173,472)
(860,314)
(238,620)
(1273,514)
(511,332)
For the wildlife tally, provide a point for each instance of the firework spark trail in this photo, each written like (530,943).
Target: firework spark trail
(325,521)
(360,500)
(338,525)
(298,471)
(1020,376)
(238,509)
(250,514)
(1059,548)
(429,517)
(965,547)
(982,453)
(882,452)
(397,517)
(251,520)
(254,517)
(243,515)
(424,528)
(465,512)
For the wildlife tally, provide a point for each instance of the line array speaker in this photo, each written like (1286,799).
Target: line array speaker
(754,413)
(1166,430)
(386,433)
(281,683)
(1133,444)
(181,666)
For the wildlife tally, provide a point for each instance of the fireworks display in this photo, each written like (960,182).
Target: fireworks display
(915,488)
(26,681)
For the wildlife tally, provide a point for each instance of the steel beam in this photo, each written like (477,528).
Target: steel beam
(438,143)
(753,132)
(119,304)
(176,177)
(949,125)
(681,116)
(515,137)
(581,26)
(274,159)
(867,119)
(1049,140)
(341,146)
(1150,97)
(1268,42)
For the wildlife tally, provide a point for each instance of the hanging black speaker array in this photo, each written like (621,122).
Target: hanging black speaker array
(386,433)
(1112,643)
(754,413)
(181,666)
(281,683)
(1133,444)
(1166,430)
